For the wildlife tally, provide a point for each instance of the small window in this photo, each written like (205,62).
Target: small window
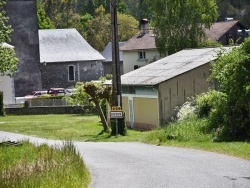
(136,67)
(71,73)
(142,55)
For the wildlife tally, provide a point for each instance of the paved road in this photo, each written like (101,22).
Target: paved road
(136,165)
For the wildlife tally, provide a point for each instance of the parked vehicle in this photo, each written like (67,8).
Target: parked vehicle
(21,100)
(56,91)
(36,94)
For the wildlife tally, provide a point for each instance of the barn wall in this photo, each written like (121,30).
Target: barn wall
(56,74)
(176,91)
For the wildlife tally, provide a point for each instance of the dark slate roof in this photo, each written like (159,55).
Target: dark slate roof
(140,42)
(220,28)
(169,67)
(65,45)
(107,52)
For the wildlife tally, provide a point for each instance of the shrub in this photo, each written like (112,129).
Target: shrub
(187,130)
(187,110)
(212,105)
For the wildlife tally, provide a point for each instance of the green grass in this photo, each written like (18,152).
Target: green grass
(190,134)
(64,127)
(28,165)
(193,133)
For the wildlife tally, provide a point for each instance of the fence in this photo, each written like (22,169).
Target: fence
(47,103)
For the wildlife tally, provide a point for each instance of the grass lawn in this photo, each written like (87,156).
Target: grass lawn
(64,127)
(89,128)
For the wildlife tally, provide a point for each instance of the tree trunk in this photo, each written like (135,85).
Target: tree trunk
(103,119)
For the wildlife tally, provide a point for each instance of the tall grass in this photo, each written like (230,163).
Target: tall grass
(187,130)
(42,166)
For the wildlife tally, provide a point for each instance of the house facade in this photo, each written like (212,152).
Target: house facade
(225,31)
(67,58)
(150,94)
(107,54)
(140,50)
(7,87)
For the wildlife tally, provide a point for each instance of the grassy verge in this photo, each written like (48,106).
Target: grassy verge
(42,166)
(194,134)
(190,134)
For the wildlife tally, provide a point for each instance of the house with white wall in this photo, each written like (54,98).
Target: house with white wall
(7,84)
(7,87)
(107,54)
(140,50)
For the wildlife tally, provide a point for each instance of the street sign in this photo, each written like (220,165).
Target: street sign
(114,108)
(116,114)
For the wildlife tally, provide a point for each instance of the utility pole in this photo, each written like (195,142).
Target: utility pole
(116,81)
(119,127)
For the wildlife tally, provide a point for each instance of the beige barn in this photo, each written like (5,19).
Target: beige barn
(151,93)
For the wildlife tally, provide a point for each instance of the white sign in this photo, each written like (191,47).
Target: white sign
(116,114)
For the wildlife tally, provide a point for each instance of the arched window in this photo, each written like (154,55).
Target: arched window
(71,73)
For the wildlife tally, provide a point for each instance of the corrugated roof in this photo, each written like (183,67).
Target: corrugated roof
(140,42)
(219,28)
(169,67)
(107,52)
(65,45)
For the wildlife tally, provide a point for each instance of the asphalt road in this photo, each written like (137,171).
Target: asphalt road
(136,165)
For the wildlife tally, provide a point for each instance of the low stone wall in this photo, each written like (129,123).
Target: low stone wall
(51,110)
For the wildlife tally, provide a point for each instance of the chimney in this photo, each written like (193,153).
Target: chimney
(144,26)
(229,19)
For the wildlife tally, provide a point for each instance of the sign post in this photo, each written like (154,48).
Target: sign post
(115,113)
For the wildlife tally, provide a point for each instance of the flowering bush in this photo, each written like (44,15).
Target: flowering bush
(187,110)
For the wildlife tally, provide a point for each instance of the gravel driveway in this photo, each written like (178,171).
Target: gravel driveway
(136,165)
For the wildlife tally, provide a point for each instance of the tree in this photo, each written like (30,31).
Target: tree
(232,70)
(44,22)
(94,92)
(8,59)
(98,91)
(179,24)
(237,9)
(98,29)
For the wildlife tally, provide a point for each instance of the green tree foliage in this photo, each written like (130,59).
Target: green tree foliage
(44,22)
(94,92)
(232,70)
(98,29)
(8,59)
(89,6)
(179,24)
(122,7)
(237,9)
(60,12)
(98,91)
(139,9)
(98,33)
(212,105)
